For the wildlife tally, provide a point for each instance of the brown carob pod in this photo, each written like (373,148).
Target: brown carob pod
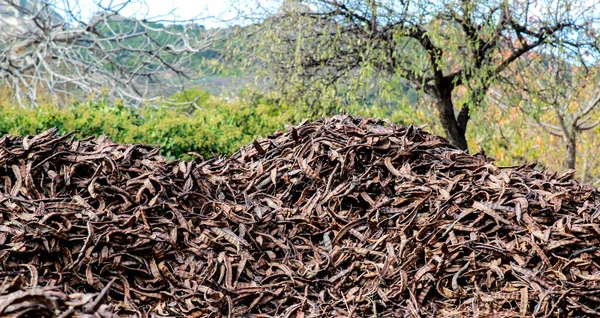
(338,217)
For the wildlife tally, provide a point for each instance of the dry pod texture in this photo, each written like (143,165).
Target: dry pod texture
(339,217)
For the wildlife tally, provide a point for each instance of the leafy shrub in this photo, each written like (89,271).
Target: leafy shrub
(191,98)
(219,127)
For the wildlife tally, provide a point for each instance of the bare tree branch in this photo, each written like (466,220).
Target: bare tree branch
(52,50)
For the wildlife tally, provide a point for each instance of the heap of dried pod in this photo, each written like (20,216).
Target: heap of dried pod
(340,217)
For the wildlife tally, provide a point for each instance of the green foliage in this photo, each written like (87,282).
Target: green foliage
(218,128)
(191,98)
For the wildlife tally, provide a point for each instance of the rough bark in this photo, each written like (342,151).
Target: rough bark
(454,133)
(463,118)
(570,152)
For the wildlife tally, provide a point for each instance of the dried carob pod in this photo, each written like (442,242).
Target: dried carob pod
(337,217)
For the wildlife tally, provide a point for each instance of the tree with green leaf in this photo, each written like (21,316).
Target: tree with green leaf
(453,51)
(560,92)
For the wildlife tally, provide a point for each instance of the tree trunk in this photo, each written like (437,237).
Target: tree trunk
(570,151)
(454,132)
(584,165)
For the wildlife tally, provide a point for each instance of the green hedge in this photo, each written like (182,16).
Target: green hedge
(212,126)
(218,127)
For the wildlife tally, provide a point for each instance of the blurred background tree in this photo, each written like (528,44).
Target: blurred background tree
(560,92)
(61,51)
